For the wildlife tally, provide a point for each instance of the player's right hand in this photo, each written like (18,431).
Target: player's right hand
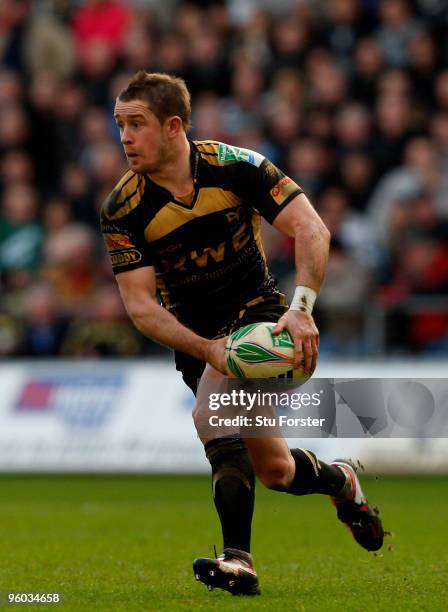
(215,355)
(305,335)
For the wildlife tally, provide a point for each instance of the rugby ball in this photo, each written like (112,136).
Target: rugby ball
(253,351)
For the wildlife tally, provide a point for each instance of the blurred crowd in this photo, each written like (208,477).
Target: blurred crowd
(348,97)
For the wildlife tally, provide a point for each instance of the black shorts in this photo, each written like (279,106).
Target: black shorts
(260,310)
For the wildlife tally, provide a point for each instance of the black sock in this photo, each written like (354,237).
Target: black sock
(314,476)
(233,489)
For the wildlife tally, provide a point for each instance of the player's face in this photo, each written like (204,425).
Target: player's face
(142,136)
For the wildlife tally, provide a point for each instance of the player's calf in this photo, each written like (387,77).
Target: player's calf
(233,481)
(313,475)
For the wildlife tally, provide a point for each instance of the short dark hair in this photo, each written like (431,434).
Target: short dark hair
(165,95)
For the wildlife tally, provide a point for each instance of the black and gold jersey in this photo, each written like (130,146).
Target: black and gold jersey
(206,250)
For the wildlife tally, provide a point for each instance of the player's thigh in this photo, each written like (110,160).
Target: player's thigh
(212,382)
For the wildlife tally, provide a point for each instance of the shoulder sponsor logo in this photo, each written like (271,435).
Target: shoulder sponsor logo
(122,258)
(283,189)
(228,153)
(118,241)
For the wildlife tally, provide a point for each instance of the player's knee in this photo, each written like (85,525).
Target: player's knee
(276,474)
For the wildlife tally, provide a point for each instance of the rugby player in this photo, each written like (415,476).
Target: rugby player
(184,223)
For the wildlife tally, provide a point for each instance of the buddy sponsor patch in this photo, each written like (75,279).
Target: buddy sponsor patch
(123,258)
(283,189)
(228,153)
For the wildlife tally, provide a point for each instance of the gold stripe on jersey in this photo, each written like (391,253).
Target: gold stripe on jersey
(129,195)
(172,216)
(208,150)
(126,177)
(256,224)
(207,147)
(254,302)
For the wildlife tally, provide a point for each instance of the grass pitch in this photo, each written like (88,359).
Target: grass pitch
(127,543)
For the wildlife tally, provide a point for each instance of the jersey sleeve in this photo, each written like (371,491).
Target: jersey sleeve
(264,186)
(127,251)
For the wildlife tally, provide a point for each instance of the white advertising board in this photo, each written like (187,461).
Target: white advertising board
(114,416)
(106,416)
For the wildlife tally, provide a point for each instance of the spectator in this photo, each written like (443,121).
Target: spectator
(441,90)
(100,20)
(138,50)
(21,233)
(421,269)
(396,31)
(291,38)
(439,135)
(353,130)
(341,303)
(76,185)
(44,137)
(102,329)
(11,87)
(16,167)
(393,129)
(207,119)
(207,68)
(424,64)
(342,27)
(69,269)
(243,108)
(351,230)
(43,327)
(70,106)
(328,83)
(171,54)
(14,19)
(307,165)
(421,171)
(356,172)
(49,47)
(14,128)
(366,70)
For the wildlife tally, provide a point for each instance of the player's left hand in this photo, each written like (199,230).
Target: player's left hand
(215,355)
(305,335)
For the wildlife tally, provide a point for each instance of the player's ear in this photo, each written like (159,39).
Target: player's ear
(173,125)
